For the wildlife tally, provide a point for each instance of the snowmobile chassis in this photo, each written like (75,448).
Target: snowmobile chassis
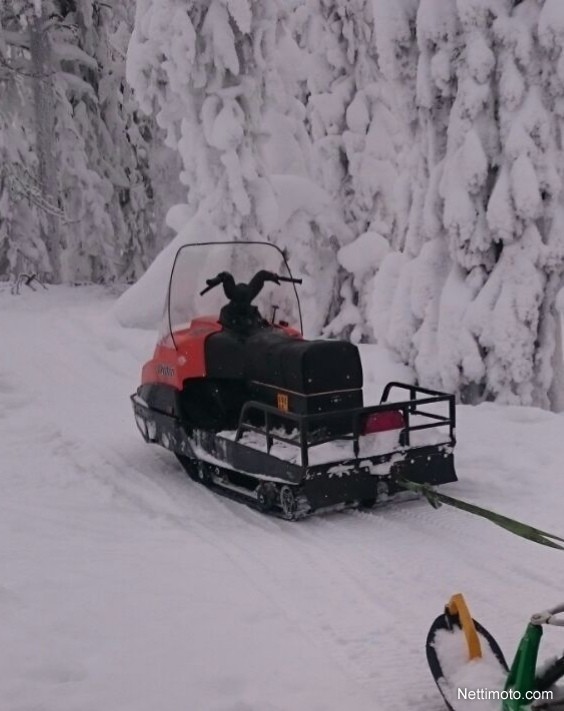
(291,490)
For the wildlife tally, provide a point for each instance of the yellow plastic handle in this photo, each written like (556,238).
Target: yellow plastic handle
(457,606)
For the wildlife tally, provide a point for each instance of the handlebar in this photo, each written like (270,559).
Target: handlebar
(548,617)
(211,284)
(290,280)
(216,281)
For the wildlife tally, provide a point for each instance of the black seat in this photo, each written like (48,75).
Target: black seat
(225,355)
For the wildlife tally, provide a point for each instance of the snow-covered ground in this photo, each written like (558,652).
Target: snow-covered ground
(125,586)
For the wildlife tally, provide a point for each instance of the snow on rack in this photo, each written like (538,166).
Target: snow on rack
(372,445)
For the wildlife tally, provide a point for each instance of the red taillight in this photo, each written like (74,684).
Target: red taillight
(382,422)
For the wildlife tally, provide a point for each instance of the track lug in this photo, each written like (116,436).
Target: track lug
(266,496)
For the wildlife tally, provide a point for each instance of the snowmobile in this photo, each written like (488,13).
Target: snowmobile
(468,665)
(254,410)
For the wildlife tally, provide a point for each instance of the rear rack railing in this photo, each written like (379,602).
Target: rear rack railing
(303,423)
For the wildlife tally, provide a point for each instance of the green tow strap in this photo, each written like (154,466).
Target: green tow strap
(436,499)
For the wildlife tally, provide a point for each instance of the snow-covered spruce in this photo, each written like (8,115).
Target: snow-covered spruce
(473,309)
(228,103)
(77,162)
(354,142)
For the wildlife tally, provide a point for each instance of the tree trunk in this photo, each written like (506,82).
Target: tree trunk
(556,391)
(44,111)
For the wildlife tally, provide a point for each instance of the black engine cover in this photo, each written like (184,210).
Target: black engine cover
(306,367)
(314,376)
(305,377)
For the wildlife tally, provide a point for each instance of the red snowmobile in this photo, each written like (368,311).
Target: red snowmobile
(253,410)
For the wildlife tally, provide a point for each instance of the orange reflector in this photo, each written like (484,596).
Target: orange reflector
(282,401)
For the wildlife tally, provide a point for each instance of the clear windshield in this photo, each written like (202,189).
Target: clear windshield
(195,263)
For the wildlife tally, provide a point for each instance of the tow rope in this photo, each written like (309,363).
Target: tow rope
(530,533)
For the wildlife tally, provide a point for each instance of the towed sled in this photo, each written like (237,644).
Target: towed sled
(255,411)
(471,672)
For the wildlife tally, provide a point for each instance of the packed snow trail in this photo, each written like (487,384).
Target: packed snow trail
(125,586)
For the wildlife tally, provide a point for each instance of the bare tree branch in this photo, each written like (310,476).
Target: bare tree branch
(22,72)
(25,185)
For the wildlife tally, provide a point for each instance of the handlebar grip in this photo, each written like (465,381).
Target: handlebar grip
(290,280)
(549,617)
(211,284)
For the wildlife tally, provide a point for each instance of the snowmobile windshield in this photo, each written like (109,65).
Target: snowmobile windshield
(194,264)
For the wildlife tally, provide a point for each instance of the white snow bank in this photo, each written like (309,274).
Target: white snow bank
(126,586)
(384,294)
(379,368)
(141,306)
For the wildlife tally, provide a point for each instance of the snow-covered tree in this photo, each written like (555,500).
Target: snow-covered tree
(315,226)
(223,79)
(193,64)
(389,314)
(103,159)
(353,134)
(23,200)
(474,290)
(513,315)
(456,95)
(88,177)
